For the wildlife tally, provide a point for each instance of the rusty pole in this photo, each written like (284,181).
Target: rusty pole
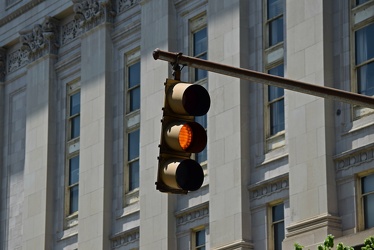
(258,77)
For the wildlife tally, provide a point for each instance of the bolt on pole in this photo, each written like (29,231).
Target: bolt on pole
(258,77)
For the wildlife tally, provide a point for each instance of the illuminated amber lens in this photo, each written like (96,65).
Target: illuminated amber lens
(185,136)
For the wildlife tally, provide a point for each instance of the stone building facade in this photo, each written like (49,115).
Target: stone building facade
(80,106)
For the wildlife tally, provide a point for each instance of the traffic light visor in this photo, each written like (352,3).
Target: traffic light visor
(189,99)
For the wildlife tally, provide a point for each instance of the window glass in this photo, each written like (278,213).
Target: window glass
(133,145)
(74,170)
(367,187)
(134,86)
(73,199)
(75,103)
(276,31)
(364,54)
(75,127)
(275,8)
(200,240)
(134,175)
(278,225)
(358,2)
(200,48)
(276,103)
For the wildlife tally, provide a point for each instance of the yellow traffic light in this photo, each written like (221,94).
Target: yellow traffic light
(181,136)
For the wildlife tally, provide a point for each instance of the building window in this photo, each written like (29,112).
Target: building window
(73,186)
(362,53)
(367,201)
(200,50)
(133,160)
(364,59)
(72,153)
(133,88)
(199,240)
(274,21)
(132,127)
(275,104)
(277,229)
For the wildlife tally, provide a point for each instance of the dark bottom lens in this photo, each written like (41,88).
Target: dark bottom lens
(189,175)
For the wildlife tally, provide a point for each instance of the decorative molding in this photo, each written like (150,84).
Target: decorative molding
(268,187)
(124,5)
(243,244)
(90,13)
(17,60)
(354,158)
(192,214)
(125,238)
(326,220)
(41,40)
(70,31)
(19,11)
(2,64)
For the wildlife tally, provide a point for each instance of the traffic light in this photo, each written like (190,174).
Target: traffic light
(181,136)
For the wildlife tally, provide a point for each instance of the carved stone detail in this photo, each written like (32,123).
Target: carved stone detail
(70,31)
(269,187)
(354,158)
(125,238)
(193,214)
(41,40)
(17,60)
(2,64)
(126,4)
(91,13)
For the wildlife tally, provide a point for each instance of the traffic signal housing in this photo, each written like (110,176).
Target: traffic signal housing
(181,136)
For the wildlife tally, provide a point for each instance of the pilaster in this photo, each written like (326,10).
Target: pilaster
(158,30)
(309,126)
(40,135)
(228,133)
(95,172)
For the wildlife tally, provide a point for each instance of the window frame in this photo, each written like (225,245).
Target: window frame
(131,124)
(196,24)
(72,150)
(267,22)
(358,112)
(194,238)
(271,223)
(360,201)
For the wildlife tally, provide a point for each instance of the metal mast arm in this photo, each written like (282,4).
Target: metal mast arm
(258,77)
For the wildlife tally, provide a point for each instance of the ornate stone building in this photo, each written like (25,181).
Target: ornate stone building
(80,106)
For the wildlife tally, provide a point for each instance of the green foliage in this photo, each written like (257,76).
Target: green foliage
(369,244)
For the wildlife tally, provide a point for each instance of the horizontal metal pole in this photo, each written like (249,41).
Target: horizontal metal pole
(259,77)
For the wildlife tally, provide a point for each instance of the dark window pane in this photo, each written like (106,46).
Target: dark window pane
(133,145)
(75,103)
(74,192)
(277,71)
(276,31)
(358,2)
(135,99)
(365,79)
(278,212)
(367,184)
(276,117)
(202,120)
(134,75)
(75,127)
(275,8)
(274,93)
(369,211)
(74,170)
(202,156)
(200,42)
(278,235)
(200,238)
(133,175)
(364,44)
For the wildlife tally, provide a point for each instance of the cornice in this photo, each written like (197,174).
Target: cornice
(19,11)
(354,158)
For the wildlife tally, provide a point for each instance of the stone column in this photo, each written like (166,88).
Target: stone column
(157,219)
(95,171)
(228,158)
(40,142)
(310,124)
